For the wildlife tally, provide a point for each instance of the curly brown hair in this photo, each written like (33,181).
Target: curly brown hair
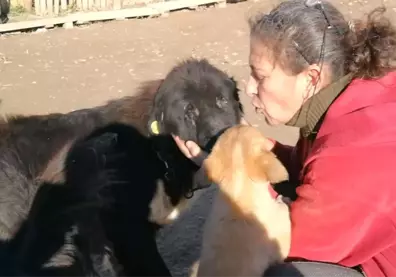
(294,34)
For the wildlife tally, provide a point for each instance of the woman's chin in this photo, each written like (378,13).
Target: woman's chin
(268,119)
(271,122)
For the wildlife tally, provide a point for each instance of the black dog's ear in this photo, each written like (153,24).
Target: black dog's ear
(191,113)
(156,117)
(151,89)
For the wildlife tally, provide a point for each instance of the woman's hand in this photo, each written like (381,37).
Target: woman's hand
(192,151)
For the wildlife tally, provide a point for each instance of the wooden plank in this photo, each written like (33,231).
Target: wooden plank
(180,4)
(149,10)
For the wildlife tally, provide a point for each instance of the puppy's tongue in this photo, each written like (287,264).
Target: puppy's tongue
(271,190)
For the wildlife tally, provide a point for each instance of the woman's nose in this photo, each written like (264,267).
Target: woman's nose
(251,87)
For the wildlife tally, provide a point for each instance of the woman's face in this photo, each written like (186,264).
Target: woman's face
(275,94)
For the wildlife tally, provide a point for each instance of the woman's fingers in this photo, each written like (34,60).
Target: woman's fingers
(197,154)
(183,148)
(191,150)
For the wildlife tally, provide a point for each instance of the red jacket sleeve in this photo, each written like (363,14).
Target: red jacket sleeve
(345,206)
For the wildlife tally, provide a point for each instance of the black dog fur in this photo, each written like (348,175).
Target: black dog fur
(4,11)
(195,101)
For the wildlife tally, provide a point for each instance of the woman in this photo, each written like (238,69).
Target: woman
(312,70)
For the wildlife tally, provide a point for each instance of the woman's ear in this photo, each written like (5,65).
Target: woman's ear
(310,78)
(313,74)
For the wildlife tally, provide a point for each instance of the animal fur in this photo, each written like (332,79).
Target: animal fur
(247,230)
(33,148)
(4,11)
(195,101)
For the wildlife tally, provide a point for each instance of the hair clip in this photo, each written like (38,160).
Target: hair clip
(317,4)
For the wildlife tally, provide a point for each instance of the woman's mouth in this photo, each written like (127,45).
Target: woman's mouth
(259,110)
(257,106)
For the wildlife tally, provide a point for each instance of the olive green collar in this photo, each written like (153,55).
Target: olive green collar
(308,117)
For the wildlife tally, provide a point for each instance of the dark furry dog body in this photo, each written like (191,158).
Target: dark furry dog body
(149,176)
(4,11)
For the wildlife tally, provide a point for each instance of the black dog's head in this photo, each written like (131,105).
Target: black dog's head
(196,101)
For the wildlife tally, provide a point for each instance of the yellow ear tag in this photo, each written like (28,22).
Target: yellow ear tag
(154,127)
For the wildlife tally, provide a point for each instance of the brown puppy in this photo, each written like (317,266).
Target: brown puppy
(247,230)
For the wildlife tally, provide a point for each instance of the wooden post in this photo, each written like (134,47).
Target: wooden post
(56,7)
(43,7)
(117,5)
(79,5)
(84,4)
(37,7)
(28,5)
(96,4)
(50,7)
(63,5)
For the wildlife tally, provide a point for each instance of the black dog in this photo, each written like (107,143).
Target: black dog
(63,234)
(195,101)
(4,10)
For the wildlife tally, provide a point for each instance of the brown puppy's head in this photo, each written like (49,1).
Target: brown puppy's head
(240,153)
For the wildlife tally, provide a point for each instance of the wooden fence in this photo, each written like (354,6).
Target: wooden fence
(68,12)
(55,7)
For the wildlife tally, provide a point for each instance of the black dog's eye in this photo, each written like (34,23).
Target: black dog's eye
(191,112)
(221,102)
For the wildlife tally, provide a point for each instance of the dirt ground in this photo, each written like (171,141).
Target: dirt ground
(66,69)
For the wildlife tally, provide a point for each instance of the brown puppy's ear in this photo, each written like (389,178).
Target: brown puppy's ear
(214,167)
(275,170)
(266,167)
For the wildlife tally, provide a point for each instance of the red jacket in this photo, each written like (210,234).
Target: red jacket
(346,207)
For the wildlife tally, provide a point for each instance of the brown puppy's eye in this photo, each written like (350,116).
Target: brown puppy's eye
(221,102)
